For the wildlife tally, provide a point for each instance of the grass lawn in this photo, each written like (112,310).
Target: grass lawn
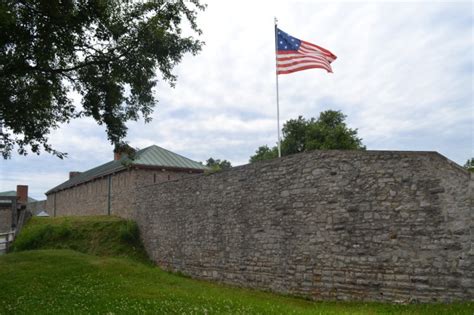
(65,281)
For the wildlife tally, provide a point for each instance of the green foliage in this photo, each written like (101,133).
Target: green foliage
(125,150)
(36,236)
(217,165)
(98,235)
(129,232)
(470,165)
(68,282)
(328,132)
(264,153)
(106,51)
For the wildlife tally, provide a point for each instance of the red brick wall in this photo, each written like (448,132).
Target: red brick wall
(22,194)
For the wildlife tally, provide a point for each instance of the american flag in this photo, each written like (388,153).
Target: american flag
(294,55)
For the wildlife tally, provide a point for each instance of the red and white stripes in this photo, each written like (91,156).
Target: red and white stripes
(308,56)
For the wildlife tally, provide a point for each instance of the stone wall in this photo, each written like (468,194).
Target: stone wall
(85,199)
(124,185)
(5,219)
(92,198)
(359,225)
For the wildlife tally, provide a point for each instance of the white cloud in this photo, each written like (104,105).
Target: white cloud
(403,76)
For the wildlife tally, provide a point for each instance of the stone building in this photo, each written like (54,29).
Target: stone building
(110,188)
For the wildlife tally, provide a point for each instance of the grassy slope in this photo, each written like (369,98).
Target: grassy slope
(69,282)
(95,235)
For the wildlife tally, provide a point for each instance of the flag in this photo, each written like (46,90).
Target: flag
(294,55)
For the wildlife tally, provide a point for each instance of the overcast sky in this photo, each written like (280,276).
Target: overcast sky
(404,78)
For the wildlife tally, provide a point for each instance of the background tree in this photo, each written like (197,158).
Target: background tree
(107,51)
(328,132)
(264,153)
(470,165)
(218,165)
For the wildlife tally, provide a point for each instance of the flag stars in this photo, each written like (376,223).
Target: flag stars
(286,42)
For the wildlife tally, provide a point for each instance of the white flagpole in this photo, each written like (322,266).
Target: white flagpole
(277,96)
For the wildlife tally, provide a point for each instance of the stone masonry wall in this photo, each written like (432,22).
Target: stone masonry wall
(91,198)
(86,199)
(124,185)
(5,219)
(359,225)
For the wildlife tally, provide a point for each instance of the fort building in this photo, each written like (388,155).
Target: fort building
(110,188)
(327,225)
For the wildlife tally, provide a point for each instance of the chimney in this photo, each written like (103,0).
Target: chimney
(73,174)
(123,149)
(22,194)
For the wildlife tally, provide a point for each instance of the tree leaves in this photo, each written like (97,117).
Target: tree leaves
(328,132)
(469,165)
(217,165)
(107,51)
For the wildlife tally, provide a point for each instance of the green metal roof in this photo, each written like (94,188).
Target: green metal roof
(12,193)
(152,156)
(157,156)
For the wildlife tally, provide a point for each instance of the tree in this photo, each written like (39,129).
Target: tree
(470,165)
(264,153)
(328,132)
(107,51)
(218,165)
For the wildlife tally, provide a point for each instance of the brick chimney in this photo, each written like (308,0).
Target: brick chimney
(22,194)
(73,174)
(123,149)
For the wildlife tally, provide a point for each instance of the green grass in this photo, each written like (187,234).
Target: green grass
(95,235)
(64,281)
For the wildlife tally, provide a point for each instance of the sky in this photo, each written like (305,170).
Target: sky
(403,77)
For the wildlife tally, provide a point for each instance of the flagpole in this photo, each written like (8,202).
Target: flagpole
(277,94)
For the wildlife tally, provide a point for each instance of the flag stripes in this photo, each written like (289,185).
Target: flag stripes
(296,55)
